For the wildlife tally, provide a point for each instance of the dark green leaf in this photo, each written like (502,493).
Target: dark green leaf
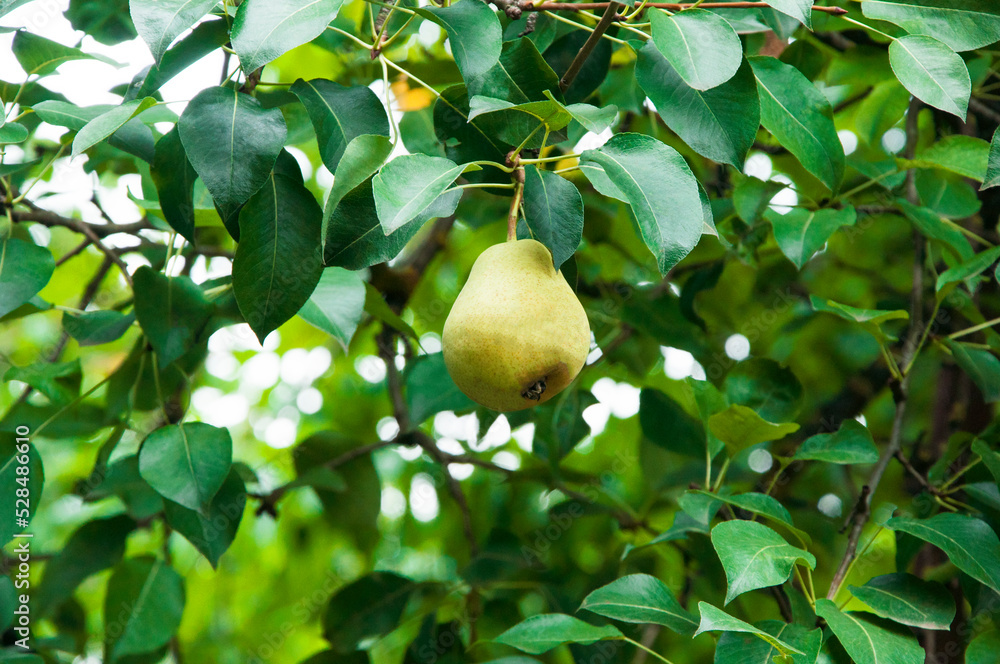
(720,123)
(764,385)
(553,213)
(92,328)
(800,118)
(992,178)
(160,22)
(336,304)
(855,315)
(339,115)
(59,381)
(749,648)
(212,530)
(142,608)
(640,598)
(936,228)
(909,600)
(474,33)
(430,389)
(186,463)
(41,56)
(851,443)
(702,47)
(544,632)
(172,311)
(104,125)
(932,72)
(966,155)
(870,640)
(367,608)
(754,556)
(961,24)
(205,38)
(971,545)
(669,426)
(25,269)
(759,503)
(661,189)
(752,197)
(232,142)
(800,10)
(559,424)
(265,29)
(521,75)
(108,22)
(982,366)
(174,178)
(801,233)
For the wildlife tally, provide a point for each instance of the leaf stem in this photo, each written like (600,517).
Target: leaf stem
(648,650)
(961,471)
(357,41)
(974,328)
(72,403)
(545,160)
(868,27)
(722,474)
(480,185)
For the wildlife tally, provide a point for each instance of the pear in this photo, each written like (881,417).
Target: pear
(517,335)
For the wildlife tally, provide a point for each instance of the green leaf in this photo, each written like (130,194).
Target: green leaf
(13,132)
(851,443)
(762,504)
(720,123)
(212,530)
(160,22)
(982,366)
(559,424)
(764,385)
(983,648)
(640,598)
(92,328)
(553,213)
(278,261)
(990,458)
(186,463)
(339,115)
(969,543)
(25,269)
(992,178)
(800,118)
(108,123)
(263,30)
(12,454)
(7,6)
(800,233)
(174,178)
(908,600)
(518,124)
(800,10)
(59,381)
(362,158)
(474,33)
(701,45)
(661,189)
(752,197)
(40,56)
(521,75)
(367,608)
(855,315)
(8,602)
(232,142)
(744,648)
(544,632)
(336,304)
(407,185)
(133,137)
(94,546)
(172,311)
(932,72)
(934,227)
(142,608)
(966,155)
(754,556)
(376,306)
(107,22)
(961,24)
(740,427)
(880,111)
(206,37)
(717,620)
(667,425)
(970,269)
(430,389)
(870,640)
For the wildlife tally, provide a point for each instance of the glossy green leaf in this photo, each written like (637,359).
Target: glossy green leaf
(759,503)
(367,608)
(13,132)
(41,56)
(92,328)
(851,443)
(716,620)
(430,389)
(701,46)
(25,269)
(278,261)
(992,177)
(754,556)
(661,189)
(520,76)
(174,178)
(966,155)
(641,598)
(981,365)
(11,458)
(265,29)
(969,543)
(206,37)
(983,648)
(94,546)
(853,314)
(58,381)
(340,114)
(108,123)
(160,22)
(870,640)
(970,269)
(186,463)
(909,600)
(553,213)
(749,648)
(740,427)
(800,118)
(474,33)
(961,24)
(172,311)
(932,72)
(362,158)
(213,529)
(407,185)
(518,124)
(232,142)
(544,632)
(336,304)
(720,123)
(800,10)
(107,22)
(142,608)
(801,233)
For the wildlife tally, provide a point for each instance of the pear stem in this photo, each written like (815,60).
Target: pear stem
(515,206)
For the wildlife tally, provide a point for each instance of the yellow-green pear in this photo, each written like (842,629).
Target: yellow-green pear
(517,335)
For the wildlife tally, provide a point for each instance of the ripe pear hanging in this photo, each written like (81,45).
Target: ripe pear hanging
(517,335)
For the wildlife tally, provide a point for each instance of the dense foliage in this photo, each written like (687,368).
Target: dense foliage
(229,421)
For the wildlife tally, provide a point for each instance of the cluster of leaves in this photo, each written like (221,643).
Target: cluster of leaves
(857,291)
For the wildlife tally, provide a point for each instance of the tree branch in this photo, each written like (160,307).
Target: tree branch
(673,6)
(610,12)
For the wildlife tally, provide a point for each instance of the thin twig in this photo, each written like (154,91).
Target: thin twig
(611,10)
